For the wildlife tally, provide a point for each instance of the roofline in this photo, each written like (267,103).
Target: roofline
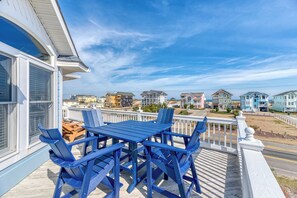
(222,90)
(284,93)
(65,24)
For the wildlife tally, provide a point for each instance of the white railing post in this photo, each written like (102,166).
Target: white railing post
(256,177)
(139,111)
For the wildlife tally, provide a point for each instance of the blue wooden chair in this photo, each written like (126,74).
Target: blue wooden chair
(165,116)
(86,173)
(93,118)
(174,162)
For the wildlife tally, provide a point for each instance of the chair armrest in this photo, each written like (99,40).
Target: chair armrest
(83,140)
(177,134)
(47,140)
(164,146)
(95,154)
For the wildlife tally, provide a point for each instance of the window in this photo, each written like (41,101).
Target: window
(14,36)
(7,105)
(40,100)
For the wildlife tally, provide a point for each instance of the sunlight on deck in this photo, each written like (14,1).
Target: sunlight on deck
(218,173)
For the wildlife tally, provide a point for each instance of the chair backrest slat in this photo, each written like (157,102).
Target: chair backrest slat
(60,149)
(194,142)
(92,118)
(165,116)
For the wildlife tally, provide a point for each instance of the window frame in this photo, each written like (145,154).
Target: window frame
(11,111)
(45,66)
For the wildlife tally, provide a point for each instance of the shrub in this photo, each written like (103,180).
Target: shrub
(154,107)
(184,112)
(217,109)
(191,106)
(228,110)
(185,106)
(236,113)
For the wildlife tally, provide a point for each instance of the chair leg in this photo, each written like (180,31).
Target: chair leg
(195,177)
(59,185)
(179,177)
(116,173)
(149,173)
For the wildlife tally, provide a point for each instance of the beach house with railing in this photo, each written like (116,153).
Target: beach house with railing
(254,101)
(285,102)
(221,99)
(196,99)
(36,55)
(153,97)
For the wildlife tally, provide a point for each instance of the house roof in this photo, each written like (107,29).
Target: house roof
(287,92)
(254,93)
(119,93)
(195,94)
(220,91)
(153,92)
(51,17)
(125,93)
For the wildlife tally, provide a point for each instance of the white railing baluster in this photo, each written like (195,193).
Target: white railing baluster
(225,135)
(213,134)
(219,131)
(231,135)
(208,133)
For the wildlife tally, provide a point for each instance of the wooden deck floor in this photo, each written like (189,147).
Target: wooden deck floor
(218,173)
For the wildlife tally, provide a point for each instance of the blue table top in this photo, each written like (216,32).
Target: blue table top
(131,130)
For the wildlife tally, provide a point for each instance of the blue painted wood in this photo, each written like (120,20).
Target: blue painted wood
(93,118)
(86,173)
(165,116)
(174,162)
(133,132)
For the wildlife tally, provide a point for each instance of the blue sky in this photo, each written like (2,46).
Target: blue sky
(184,46)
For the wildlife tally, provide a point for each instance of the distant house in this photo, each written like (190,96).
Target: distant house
(197,99)
(119,99)
(153,97)
(70,103)
(124,99)
(254,101)
(84,98)
(173,104)
(286,101)
(100,102)
(110,100)
(221,99)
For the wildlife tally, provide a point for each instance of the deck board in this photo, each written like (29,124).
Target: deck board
(218,173)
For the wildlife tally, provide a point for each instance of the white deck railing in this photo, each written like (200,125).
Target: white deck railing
(227,135)
(221,133)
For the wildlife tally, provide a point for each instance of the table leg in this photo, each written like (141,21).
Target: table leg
(133,149)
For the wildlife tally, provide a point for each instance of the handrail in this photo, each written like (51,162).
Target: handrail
(256,177)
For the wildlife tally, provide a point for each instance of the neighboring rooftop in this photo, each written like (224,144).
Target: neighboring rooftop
(254,93)
(220,91)
(153,92)
(284,93)
(197,94)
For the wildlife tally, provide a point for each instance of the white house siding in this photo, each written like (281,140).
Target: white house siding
(286,102)
(26,156)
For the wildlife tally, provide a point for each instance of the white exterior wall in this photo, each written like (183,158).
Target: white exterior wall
(287,102)
(22,14)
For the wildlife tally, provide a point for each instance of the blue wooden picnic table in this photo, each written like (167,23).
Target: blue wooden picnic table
(133,132)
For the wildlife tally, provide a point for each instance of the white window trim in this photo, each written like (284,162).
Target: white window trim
(46,66)
(12,128)
(25,150)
